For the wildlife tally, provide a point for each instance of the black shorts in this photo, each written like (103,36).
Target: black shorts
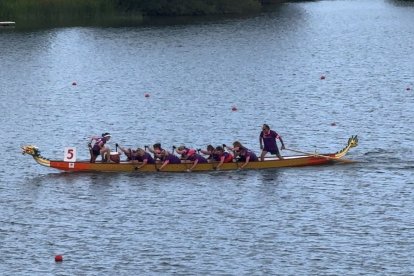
(96,152)
(273,151)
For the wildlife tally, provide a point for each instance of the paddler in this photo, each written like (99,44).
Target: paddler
(190,155)
(99,147)
(168,158)
(222,156)
(131,154)
(144,157)
(156,150)
(243,154)
(208,151)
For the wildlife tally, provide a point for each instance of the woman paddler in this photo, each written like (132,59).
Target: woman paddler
(208,151)
(156,150)
(190,155)
(144,157)
(131,154)
(99,147)
(243,154)
(222,156)
(168,158)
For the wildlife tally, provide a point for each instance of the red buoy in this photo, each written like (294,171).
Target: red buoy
(58,258)
(146,95)
(234,108)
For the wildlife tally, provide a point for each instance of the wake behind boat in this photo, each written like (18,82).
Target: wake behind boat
(305,159)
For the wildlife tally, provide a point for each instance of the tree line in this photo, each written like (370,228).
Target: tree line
(26,9)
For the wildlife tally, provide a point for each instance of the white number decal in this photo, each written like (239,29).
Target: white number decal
(70,154)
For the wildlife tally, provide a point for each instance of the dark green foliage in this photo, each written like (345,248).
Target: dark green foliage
(63,10)
(189,7)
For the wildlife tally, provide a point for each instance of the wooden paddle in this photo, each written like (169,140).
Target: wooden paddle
(324,156)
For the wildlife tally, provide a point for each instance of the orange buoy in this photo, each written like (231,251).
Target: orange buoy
(234,108)
(58,258)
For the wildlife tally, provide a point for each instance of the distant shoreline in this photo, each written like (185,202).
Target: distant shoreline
(32,13)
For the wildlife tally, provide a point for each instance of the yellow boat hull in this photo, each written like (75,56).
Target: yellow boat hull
(289,161)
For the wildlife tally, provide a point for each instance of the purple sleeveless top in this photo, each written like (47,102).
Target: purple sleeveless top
(269,140)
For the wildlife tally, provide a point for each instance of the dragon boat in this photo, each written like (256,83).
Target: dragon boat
(305,159)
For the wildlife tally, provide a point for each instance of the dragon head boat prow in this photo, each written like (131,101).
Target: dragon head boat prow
(35,153)
(31,150)
(352,142)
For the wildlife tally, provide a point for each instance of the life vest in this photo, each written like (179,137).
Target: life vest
(228,157)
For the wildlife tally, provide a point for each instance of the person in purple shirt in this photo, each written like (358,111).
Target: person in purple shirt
(99,147)
(196,159)
(268,137)
(168,158)
(156,150)
(209,151)
(132,155)
(243,154)
(144,157)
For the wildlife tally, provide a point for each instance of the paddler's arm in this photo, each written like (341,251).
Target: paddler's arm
(245,163)
(193,166)
(143,163)
(261,141)
(126,152)
(164,164)
(283,144)
(221,163)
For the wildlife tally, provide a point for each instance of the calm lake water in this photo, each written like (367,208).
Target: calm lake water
(333,220)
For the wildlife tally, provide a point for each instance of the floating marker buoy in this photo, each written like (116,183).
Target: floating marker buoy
(58,258)
(146,95)
(234,108)
(74,83)
(408,89)
(322,77)
(333,124)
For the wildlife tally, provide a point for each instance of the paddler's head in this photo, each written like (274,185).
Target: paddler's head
(106,135)
(265,127)
(237,145)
